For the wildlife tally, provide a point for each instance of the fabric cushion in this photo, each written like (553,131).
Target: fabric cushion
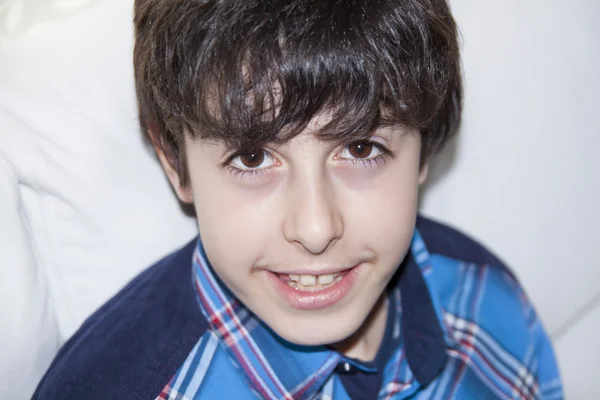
(84,205)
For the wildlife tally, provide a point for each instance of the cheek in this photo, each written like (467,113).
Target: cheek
(232,223)
(380,213)
(382,204)
(225,232)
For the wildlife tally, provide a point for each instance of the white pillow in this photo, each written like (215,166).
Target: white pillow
(84,205)
(29,332)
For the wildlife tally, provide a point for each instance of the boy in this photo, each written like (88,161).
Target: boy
(301,130)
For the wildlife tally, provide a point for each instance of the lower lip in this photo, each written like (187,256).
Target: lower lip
(327,297)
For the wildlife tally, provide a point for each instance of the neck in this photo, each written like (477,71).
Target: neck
(364,344)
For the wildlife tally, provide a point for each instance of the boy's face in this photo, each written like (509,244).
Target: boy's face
(307,234)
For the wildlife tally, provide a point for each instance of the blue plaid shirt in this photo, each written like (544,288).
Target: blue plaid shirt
(459,327)
(460,330)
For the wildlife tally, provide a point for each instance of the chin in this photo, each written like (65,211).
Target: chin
(316,334)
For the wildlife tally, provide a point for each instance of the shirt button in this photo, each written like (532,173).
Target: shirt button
(347,367)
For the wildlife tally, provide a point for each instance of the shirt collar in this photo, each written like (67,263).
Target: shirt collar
(285,369)
(424,333)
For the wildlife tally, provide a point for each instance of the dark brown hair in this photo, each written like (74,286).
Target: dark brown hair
(250,72)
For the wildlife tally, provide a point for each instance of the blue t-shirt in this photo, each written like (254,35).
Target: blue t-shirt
(458,326)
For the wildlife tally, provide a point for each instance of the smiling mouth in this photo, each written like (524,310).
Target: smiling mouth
(312,283)
(309,291)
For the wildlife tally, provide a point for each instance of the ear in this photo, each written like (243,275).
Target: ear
(424,171)
(183,192)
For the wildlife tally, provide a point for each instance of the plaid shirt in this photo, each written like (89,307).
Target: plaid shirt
(464,331)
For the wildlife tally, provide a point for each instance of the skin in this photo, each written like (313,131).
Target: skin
(310,205)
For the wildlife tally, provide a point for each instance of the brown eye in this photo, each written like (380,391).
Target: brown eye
(253,159)
(363,152)
(360,149)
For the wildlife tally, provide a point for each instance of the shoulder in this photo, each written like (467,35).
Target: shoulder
(445,240)
(494,327)
(132,346)
(477,291)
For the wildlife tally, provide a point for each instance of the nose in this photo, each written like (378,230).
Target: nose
(313,219)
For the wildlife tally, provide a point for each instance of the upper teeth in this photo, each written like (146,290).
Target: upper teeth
(325,279)
(311,280)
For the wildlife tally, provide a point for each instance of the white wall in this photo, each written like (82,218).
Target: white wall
(524,176)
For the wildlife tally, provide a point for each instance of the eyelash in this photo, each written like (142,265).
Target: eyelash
(241,173)
(380,159)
